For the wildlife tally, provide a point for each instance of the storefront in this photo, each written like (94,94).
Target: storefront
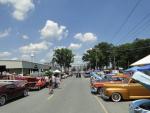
(22,67)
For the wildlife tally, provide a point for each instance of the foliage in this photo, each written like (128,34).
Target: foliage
(64,57)
(120,56)
(48,73)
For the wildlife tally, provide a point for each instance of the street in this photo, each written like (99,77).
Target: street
(73,97)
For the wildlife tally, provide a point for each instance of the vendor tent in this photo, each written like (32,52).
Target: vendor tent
(143,68)
(143,61)
(132,69)
(56,71)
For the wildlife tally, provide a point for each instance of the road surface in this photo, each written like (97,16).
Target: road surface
(73,97)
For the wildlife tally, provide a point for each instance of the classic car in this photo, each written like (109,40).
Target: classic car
(128,89)
(96,87)
(142,105)
(10,90)
(33,82)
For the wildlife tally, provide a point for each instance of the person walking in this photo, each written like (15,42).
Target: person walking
(53,81)
(58,81)
(50,85)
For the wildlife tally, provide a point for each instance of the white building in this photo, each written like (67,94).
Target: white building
(22,67)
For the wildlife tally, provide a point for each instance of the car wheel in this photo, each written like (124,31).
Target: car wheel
(100,91)
(116,97)
(39,88)
(25,93)
(2,100)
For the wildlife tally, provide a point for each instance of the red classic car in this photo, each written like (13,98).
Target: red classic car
(33,82)
(11,89)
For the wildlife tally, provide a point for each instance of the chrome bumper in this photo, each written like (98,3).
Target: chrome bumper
(93,90)
(104,96)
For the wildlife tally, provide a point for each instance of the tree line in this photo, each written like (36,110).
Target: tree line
(104,54)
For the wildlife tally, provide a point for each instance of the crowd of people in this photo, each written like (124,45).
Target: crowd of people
(53,82)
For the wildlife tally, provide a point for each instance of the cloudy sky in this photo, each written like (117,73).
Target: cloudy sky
(37,27)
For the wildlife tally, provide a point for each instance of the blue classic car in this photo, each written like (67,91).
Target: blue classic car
(143,105)
(140,106)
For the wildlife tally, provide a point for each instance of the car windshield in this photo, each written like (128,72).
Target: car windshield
(145,106)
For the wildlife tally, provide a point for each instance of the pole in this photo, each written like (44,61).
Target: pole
(114,62)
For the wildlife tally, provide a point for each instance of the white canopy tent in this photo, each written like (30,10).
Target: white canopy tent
(143,61)
(56,71)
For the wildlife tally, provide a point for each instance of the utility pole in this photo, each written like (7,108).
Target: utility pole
(96,57)
(114,62)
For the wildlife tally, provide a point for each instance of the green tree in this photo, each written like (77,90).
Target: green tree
(99,55)
(120,56)
(64,57)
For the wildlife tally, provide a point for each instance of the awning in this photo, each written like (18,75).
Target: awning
(143,61)
(132,69)
(143,68)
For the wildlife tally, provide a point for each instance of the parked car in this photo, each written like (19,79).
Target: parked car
(10,90)
(140,106)
(128,89)
(96,87)
(34,82)
(87,74)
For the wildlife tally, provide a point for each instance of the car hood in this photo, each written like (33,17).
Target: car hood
(142,79)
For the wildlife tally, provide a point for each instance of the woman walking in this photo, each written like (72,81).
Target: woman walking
(50,85)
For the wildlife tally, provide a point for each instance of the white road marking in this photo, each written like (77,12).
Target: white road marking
(50,97)
(103,107)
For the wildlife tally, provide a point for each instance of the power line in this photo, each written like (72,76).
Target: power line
(136,26)
(135,49)
(126,20)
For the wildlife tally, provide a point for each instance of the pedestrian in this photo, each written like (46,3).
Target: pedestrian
(58,81)
(50,85)
(53,81)
(47,80)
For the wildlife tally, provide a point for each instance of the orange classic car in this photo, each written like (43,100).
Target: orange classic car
(96,87)
(128,89)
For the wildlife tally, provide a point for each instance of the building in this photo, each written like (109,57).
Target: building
(22,67)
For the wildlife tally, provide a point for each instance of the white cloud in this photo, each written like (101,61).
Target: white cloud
(5,33)
(25,37)
(87,37)
(77,60)
(36,47)
(53,30)
(42,61)
(25,57)
(59,47)
(4,55)
(21,7)
(74,46)
(14,58)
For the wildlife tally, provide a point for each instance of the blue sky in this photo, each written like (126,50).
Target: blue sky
(40,26)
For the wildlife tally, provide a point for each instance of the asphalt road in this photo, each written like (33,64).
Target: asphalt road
(73,97)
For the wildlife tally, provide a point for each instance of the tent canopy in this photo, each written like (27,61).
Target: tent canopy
(143,61)
(133,69)
(56,71)
(143,68)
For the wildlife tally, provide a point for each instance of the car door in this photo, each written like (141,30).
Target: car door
(11,91)
(136,90)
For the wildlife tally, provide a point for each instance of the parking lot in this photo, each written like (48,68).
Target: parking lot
(73,97)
